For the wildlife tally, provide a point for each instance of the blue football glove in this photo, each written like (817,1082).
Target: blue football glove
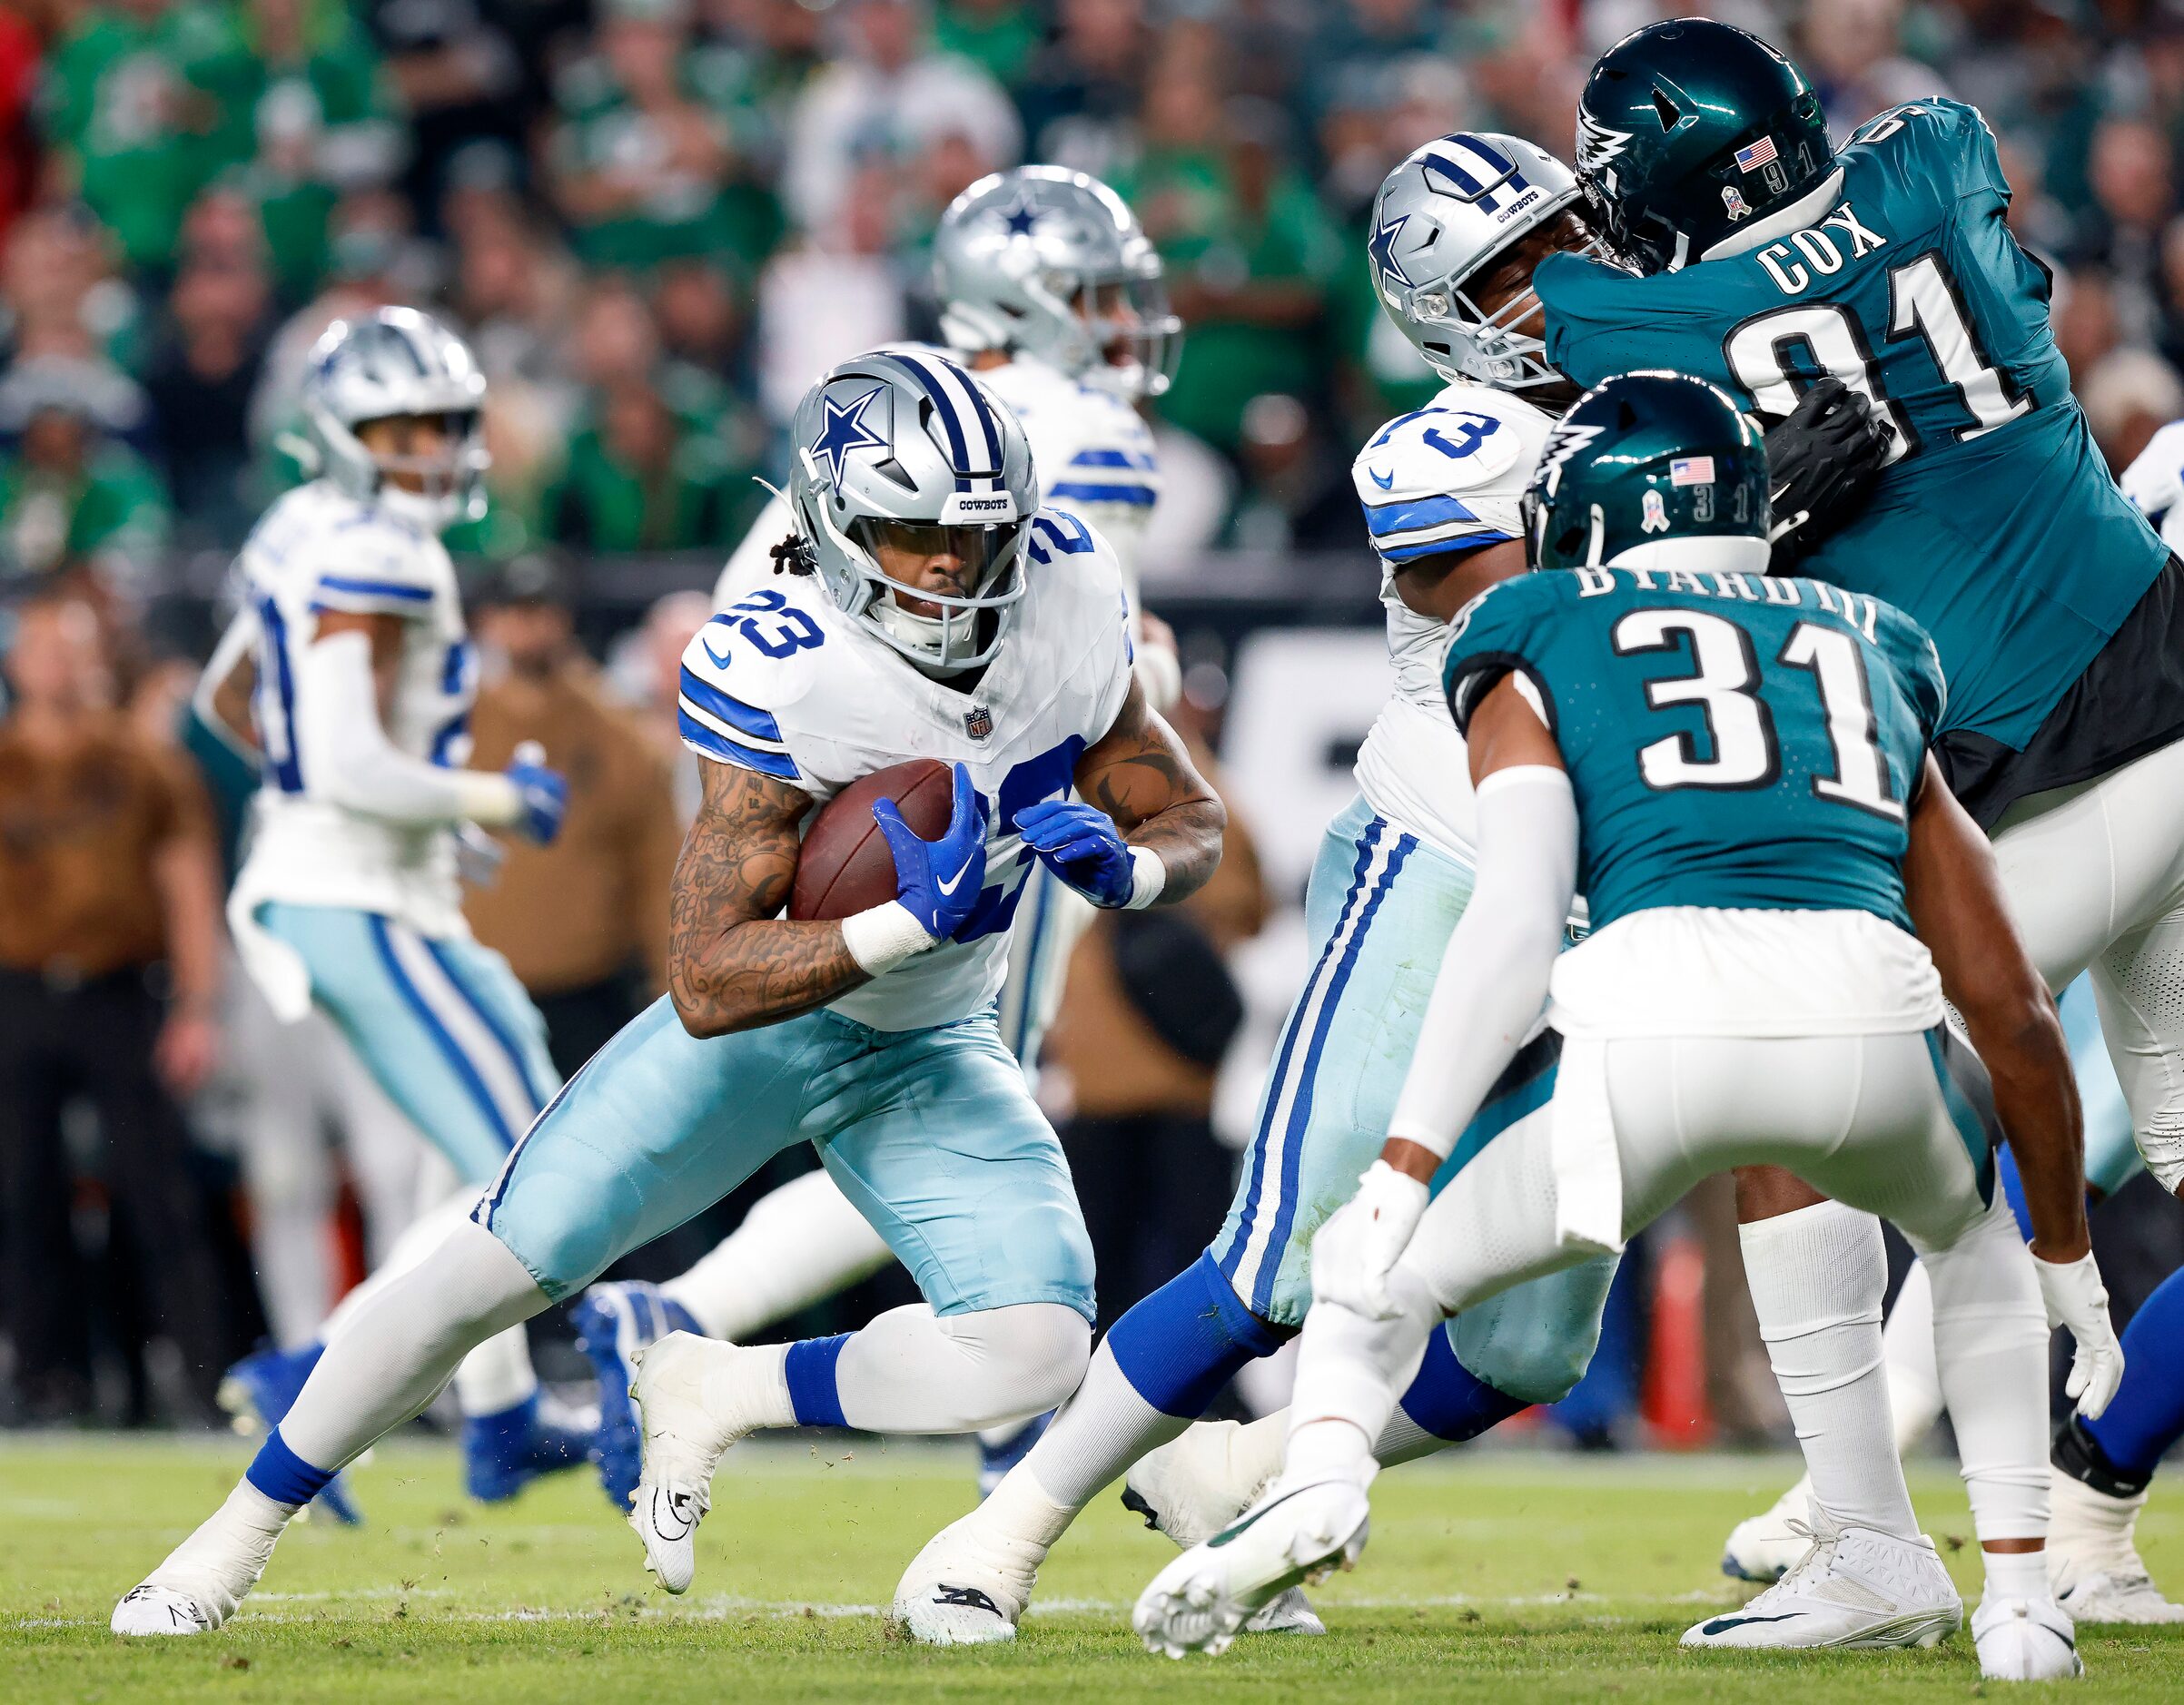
(1082,846)
(545,793)
(937,882)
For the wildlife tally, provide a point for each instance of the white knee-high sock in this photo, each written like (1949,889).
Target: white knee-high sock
(1817,1278)
(1990,1342)
(497,1375)
(1101,1430)
(913,1371)
(1349,1372)
(801,1243)
(1914,1377)
(396,1350)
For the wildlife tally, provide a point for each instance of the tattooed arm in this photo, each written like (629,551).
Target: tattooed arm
(732,964)
(1140,775)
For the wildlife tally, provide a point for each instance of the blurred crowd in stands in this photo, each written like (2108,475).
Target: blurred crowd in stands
(656,220)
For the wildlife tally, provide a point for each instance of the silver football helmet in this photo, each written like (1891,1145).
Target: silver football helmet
(1440,222)
(905,453)
(1053,263)
(398,361)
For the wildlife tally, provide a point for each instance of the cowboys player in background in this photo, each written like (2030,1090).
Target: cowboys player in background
(349,671)
(1050,292)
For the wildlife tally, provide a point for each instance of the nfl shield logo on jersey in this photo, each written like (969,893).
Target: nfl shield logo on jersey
(978,722)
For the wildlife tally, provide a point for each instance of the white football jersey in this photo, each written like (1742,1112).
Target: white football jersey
(782,682)
(2155,482)
(1092,454)
(1448,476)
(318,550)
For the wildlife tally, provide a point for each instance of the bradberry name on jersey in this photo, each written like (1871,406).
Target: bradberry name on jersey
(1860,611)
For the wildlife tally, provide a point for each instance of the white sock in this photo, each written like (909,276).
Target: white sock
(2021,1574)
(1349,1372)
(1991,1341)
(392,1354)
(1097,1433)
(223,1560)
(1817,1277)
(1914,1378)
(497,1375)
(801,1243)
(913,1371)
(2093,1529)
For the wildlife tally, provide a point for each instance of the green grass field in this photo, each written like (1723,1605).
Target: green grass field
(1502,1575)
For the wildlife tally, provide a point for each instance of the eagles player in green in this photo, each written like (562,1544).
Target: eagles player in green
(1760,257)
(1734,768)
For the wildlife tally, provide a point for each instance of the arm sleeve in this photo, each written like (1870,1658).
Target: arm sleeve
(1493,982)
(352,762)
(234,644)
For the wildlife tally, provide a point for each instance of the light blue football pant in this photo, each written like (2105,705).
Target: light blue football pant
(931,1134)
(442,1025)
(1380,908)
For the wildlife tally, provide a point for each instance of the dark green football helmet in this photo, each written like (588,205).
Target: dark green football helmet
(1687,129)
(1646,459)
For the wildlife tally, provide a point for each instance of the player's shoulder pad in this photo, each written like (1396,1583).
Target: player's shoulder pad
(368,561)
(1954,137)
(1077,579)
(1499,631)
(2155,479)
(748,669)
(1413,476)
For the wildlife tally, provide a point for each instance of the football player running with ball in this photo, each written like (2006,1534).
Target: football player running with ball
(1050,292)
(931,611)
(1735,769)
(1757,256)
(1458,228)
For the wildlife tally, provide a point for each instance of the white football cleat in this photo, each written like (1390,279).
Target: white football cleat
(1855,1587)
(206,1577)
(967,1587)
(157,1611)
(1764,1548)
(2025,1639)
(2093,1562)
(689,1413)
(1199,1601)
(1189,1489)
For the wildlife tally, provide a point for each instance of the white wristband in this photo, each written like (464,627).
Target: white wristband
(885,936)
(1148,876)
(488,797)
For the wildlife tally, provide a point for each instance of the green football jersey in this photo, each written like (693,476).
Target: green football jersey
(1733,740)
(1997,524)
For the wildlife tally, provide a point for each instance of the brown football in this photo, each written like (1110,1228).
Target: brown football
(846,866)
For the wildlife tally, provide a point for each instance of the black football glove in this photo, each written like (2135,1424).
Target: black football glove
(1822,460)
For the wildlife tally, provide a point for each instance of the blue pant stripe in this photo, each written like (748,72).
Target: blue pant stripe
(1300,1108)
(483,1008)
(449,1048)
(483,1212)
(1366,844)
(1020,997)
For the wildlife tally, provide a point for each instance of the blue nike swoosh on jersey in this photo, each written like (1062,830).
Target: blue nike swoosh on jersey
(1721,1624)
(719,660)
(1386,481)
